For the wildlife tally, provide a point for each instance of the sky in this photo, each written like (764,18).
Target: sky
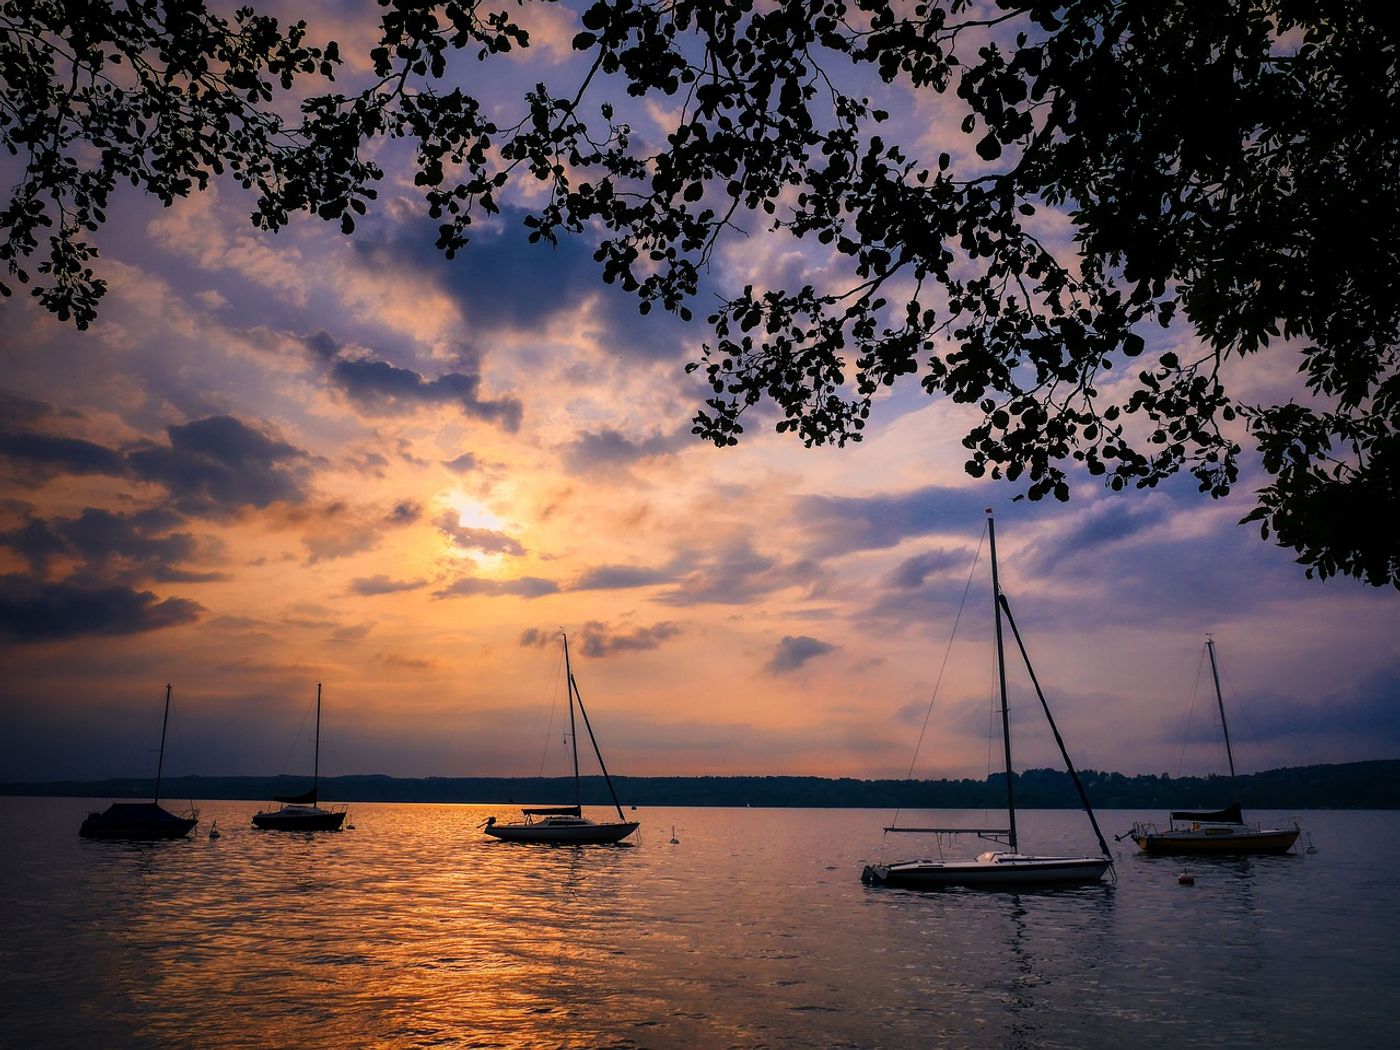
(277,460)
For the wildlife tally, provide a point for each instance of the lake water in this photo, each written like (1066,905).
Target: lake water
(754,930)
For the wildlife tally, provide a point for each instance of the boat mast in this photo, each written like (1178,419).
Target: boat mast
(596,750)
(160,762)
(573,733)
(316,761)
(1220,702)
(1001,678)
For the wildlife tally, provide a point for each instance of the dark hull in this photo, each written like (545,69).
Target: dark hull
(577,835)
(96,827)
(277,821)
(1196,843)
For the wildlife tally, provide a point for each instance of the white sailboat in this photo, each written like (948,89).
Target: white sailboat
(566,825)
(1005,868)
(1218,831)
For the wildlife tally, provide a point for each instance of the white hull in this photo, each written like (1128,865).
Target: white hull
(585,833)
(992,870)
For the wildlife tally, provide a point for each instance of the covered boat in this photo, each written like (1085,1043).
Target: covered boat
(148,821)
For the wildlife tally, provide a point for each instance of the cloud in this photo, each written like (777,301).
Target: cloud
(523,587)
(737,574)
(1086,535)
(794,651)
(840,524)
(488,541)
(115,547)
(621,577)
(610,449)
(31,611)
(463,464)
(504,282)
(400,662)
(598,639)
(368,586)
(405,512)
(534,638)
(381,388)
(911,573)
(39,457)
(216,466)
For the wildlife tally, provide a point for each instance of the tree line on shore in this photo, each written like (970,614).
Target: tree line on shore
(1351,785)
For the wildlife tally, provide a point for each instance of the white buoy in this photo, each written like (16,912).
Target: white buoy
(674,841)
(1186,879)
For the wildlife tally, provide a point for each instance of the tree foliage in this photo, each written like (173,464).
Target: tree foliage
(1227,168)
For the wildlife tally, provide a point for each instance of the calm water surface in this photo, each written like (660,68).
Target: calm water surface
(413,929)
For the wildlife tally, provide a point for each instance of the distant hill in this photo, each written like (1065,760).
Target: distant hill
(1352,785)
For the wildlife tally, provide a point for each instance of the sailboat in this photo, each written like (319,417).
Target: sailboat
(300,812)
(142,820)
(566,825)
(1218,830)
(1006,868)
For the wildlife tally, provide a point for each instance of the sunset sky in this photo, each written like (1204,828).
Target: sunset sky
(283,459)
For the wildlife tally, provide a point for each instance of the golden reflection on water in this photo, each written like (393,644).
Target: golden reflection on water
(414,929)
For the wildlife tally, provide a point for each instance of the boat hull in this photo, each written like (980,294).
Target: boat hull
(282,820)
(995,874)
(1246,840)
(574,835)
(142,823)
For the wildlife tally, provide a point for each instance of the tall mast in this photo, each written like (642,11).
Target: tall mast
(1001,679)
(160,762)
(1219,701)
(573,733)
(316,762)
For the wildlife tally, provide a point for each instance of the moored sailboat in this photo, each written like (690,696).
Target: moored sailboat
(142,820)
(1216,831)
(301,812)
(1007,868)
(566,825)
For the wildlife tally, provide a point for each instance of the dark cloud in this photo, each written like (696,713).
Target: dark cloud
(838,524)
(598,639)
(488,541)
(38,457)
(217,466)
(405,512)
(463,464)
(523,587)
(368,586)
(794,651)
(379,387)
(32,611)
(621,577)
(737,574)
(322,345)
(1366,712)
(534,638)
(610,449)
(489,277)
(1084,535)
(911,573)
(114,547)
